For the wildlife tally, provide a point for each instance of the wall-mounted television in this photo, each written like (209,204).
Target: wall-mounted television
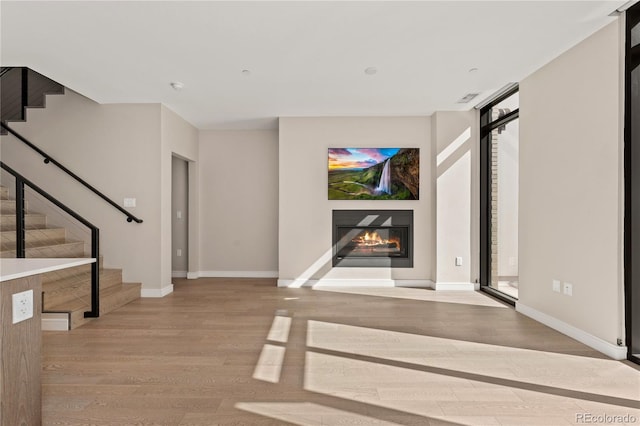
(374,173)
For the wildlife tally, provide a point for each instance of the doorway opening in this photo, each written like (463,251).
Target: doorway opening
(179,217)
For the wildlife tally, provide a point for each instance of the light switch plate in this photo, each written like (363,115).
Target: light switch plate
(22,306)
(568,289)
(459,261)
(556,286)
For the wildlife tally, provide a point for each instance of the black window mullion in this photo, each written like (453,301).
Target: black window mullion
(487,125)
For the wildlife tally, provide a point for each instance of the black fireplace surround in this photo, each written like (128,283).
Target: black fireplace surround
(373,238)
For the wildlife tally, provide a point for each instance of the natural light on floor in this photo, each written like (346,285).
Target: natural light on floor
(484,360)
(423,294)
(280,327)
(438,378)
(307,413)
(270,364)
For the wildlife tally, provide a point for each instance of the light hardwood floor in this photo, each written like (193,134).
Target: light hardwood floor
(243,352)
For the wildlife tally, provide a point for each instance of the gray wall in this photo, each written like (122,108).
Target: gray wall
(180,216)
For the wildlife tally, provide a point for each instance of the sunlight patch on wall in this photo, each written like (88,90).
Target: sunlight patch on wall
(453,146)
(305,277)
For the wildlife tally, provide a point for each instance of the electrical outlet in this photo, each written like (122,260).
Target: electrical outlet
(459,261)
(22,306)
(556,286)
(179,214)
(568,289)
(129,202)
(179,252)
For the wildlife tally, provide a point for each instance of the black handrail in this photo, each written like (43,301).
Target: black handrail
(48,159)
(21,181)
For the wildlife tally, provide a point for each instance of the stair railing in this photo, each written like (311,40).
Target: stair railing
(49,159)
(4,70)
(21,182)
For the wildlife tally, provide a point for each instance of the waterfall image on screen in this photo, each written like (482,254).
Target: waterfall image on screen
(374,173)
(385,180)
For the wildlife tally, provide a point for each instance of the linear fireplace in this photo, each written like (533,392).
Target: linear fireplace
(373,238)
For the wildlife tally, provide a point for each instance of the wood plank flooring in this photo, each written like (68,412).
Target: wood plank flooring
(244,352)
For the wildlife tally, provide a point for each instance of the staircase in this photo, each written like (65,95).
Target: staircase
(67,291)
(14,98)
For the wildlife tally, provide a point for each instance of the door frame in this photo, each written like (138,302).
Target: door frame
(632,18)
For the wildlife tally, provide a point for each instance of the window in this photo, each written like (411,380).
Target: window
(499,169)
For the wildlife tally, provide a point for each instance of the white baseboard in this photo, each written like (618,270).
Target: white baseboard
(238,274)
(54,321)
(609,349)
(193,275)
(414,283)
(354,282)
(154,292)
(178,274)
(462,286)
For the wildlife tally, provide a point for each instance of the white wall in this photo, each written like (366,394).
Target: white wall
(455,134)
(305,212)
(116,149)
(570,225)
(239,208)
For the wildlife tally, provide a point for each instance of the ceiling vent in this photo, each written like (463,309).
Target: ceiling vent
(467,98)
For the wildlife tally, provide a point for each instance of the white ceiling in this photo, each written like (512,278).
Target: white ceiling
(304,58)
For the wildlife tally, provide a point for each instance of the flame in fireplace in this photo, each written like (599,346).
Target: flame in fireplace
(372,239)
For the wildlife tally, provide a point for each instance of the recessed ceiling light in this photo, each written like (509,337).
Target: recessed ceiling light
(370,70)
(246,72)
(176,85)
(473,70)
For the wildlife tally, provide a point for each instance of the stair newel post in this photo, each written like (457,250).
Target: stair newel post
(20,225)
(25,92)
(95,275)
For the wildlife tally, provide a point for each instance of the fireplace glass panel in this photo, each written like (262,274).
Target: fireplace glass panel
(372,241)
